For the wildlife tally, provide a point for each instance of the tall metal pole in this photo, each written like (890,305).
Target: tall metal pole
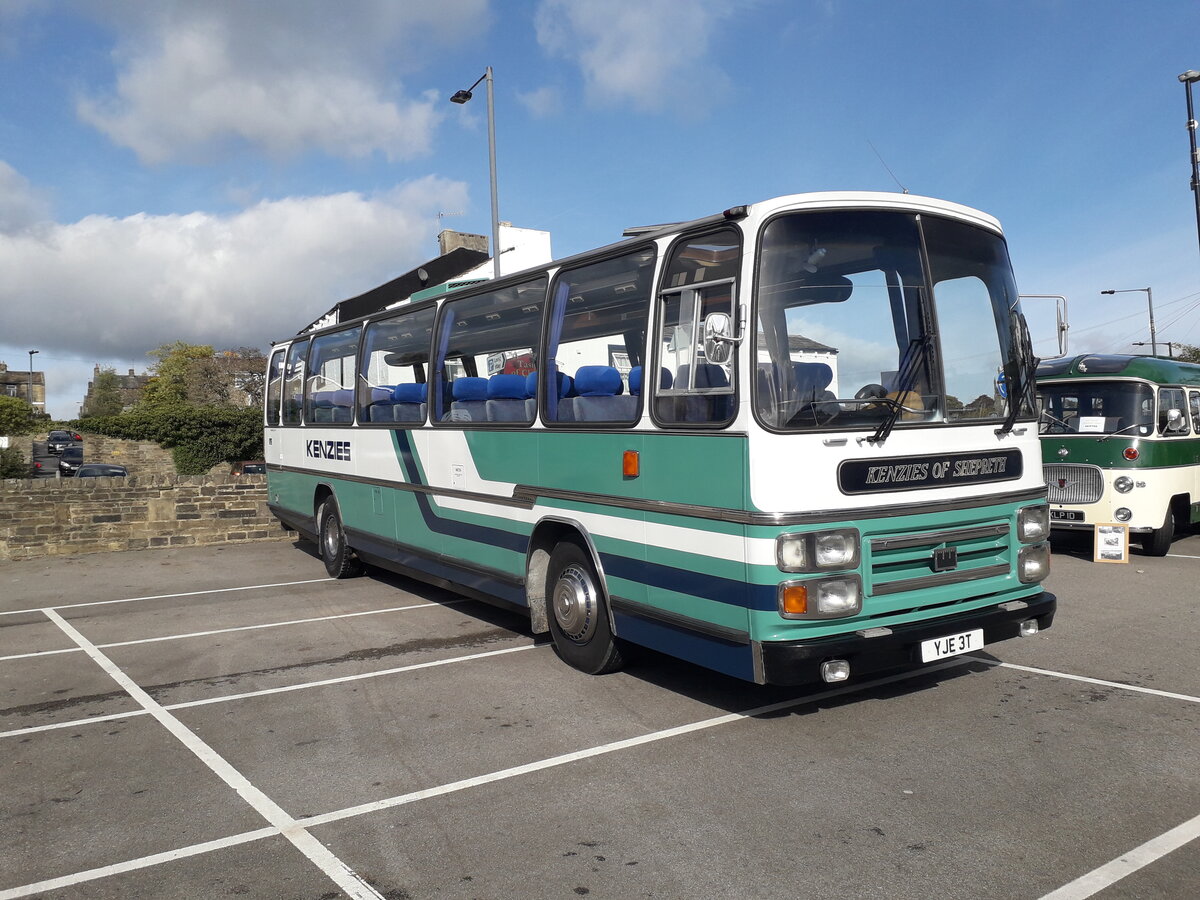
(1153,341)
(31,409)
(1188,77)
(492,164)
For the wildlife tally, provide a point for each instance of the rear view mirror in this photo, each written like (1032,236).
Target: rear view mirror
(718,338)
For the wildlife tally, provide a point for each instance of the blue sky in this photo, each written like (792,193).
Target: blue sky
(223,172)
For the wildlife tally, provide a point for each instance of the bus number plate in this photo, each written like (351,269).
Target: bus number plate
(1066,515)
(951,645)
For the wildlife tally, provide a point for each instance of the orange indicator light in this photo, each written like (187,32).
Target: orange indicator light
(630,464)
(1131,453)
(794,599)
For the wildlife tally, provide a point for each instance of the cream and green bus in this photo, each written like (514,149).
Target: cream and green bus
(1121,444)
(792,441)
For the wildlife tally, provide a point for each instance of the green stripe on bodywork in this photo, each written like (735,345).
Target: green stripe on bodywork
(1160,453)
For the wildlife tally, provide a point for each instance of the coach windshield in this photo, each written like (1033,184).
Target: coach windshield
(851,335)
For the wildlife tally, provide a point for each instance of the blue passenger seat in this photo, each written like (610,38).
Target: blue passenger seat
(408,403)
(600,397)
(470,400)
(506,398)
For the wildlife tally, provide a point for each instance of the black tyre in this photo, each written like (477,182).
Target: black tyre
(1158,541)
(339,559)
(578,614)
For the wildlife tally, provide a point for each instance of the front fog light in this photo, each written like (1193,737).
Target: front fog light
(1028,628)
(1123,514)
(1033,563)
(835,670)
(1033,524)
(1124,484)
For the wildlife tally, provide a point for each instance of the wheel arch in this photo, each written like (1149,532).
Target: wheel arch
(548,533)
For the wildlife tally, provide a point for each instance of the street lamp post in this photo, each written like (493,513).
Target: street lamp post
(462,97)
(1170,347)
(1190,77)
(31,410)
(1149,303)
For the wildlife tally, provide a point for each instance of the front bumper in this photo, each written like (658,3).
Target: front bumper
(799,662)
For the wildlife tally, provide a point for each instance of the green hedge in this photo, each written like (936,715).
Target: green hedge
(199,437)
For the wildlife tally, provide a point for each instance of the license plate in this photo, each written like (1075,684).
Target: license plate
(951,645)
(1066,515)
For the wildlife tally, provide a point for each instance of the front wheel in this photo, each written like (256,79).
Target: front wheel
(1158,541)
(339,559)
(578,616)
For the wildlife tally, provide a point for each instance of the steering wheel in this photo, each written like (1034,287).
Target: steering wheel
(871,392)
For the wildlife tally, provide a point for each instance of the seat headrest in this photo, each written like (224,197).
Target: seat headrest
(506,387)
(597,381)
(469,388)
(409,393)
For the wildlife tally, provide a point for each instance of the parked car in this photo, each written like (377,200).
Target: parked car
(101,470)
(58,441)
(249,467)
(70,460)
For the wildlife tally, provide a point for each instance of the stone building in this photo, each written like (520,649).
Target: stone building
(130,387)
(19,384)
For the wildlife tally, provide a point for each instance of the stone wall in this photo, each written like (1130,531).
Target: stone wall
(60,516)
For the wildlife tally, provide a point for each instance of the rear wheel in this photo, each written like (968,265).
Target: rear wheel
(1158,541)
(339,559)
(578,617)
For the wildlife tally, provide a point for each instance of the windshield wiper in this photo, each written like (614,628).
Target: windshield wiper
(905,381)
(1045,415)
(1110,434)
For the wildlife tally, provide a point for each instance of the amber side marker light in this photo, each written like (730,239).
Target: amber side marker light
(630,464)
(794,600)
(1131,453)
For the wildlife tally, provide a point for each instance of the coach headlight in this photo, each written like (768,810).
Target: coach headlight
(1033,524)
(817,551)
(1033,563)
(1123,484)
(833,597)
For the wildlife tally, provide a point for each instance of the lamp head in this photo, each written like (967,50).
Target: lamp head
(1189,76)
(1108,292)
(460,97)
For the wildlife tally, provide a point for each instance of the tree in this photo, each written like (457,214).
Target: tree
(16,417)
(169,385)
(105,399)
(13,463)
(1187,353)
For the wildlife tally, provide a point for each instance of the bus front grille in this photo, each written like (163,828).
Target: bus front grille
(939,559)
(1073,483)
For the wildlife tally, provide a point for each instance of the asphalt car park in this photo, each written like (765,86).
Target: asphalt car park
(228,721)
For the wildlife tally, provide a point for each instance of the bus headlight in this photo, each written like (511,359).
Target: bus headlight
(821,598)
(1033,563)
(1033,524)
(1124,484)
(817,551)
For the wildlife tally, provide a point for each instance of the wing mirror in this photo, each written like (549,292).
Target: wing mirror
(719,339)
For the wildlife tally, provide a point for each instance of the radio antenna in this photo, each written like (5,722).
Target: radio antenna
(903,189)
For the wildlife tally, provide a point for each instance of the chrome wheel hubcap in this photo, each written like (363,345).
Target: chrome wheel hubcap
(574,604)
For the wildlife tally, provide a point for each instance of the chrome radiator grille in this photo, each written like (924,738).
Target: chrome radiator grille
(901,563)
(1072,483)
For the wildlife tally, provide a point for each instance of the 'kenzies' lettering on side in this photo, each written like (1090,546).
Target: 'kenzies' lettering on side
(339,450)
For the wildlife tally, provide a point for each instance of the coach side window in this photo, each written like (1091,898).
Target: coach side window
(597,339)
(1168,399)
(274,386)
(700,280)
(293,383)
(393,372)
(486,350)
(329,397)
(1194,403)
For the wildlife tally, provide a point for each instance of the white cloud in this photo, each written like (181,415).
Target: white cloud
(542,102)
(20,205)
(195,77)
(115,288)
(651,53)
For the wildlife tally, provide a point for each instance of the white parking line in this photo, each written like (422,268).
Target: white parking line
(249,587)
(320,855)
(193,634)
(303,686)
(563,759)
(1128,863)
(1170,695)
(1182,556)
